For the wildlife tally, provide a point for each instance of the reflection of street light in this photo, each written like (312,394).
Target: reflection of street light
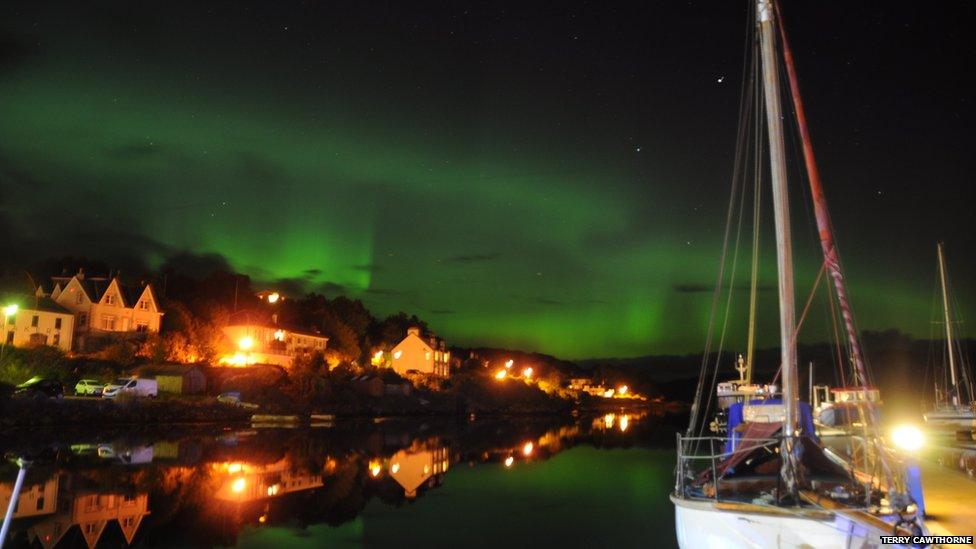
(622,390)
(509,461)
(527,449)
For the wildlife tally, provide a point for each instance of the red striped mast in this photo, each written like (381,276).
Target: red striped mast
(831,257)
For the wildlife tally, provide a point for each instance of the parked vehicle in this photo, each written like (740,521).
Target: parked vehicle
(91,387)
(132,386)
(38,387)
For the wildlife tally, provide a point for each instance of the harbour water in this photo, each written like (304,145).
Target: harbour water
(594,481)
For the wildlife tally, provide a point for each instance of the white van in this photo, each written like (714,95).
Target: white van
(132,385)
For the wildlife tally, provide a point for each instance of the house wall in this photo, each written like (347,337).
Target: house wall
(413,353)
(20,330)
(273,345)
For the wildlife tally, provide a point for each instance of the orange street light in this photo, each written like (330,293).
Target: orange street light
(527,373)
(622,390)
(500,374)
(245,343)
(509,363)
(273,297)
(527,449)
(509,461)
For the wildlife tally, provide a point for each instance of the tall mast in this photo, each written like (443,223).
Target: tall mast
(784,252)
(827,244)
(948,326)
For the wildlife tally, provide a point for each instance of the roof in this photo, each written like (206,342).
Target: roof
(36,303)
(95,287)
(286,327)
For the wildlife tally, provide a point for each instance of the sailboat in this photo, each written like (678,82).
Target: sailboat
(772,482)
(953,408)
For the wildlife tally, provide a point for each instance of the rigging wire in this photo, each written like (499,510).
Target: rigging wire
(745,91)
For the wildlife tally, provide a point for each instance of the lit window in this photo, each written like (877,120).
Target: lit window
(110,299)
(144,305)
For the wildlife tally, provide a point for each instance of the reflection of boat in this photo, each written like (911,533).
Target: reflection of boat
(771,482)
(954,403)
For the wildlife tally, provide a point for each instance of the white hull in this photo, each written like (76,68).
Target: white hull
(701,525)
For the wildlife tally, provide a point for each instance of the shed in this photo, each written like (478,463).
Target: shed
(180,379)
(368,385)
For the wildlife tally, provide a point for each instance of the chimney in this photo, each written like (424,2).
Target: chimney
(81,273)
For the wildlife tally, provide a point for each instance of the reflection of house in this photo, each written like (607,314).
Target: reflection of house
(414,468)
(35,499)
(414,354)
(92,512)
(39,321)
(242,482)
(271,344)
(103,305)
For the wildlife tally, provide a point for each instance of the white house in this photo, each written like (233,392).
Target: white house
(103,305)
(269,344)
(414,354)
(38,321)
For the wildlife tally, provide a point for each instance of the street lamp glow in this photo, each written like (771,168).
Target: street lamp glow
(245,343)
(509,363)
(500,374)
(622,390)
(10,310)
(238,485)
(527,449)
(908,438)
(527,373)
(509,461)
(274,297)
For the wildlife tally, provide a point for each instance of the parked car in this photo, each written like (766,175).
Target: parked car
(91,387)
(38,387)
(131,385)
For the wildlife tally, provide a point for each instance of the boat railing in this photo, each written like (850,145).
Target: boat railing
(700,460)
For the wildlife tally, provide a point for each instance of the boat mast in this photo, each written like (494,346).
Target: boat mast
(948,326)
(784,253)
(822,215)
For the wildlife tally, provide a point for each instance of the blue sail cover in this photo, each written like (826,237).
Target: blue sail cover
(735,419)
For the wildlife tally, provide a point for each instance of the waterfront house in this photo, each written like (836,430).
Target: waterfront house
(254,343)
(425,356)
(38,321)
(105,306)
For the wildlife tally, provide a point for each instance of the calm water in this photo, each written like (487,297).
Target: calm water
(599,481)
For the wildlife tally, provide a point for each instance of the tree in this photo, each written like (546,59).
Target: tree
(343,341)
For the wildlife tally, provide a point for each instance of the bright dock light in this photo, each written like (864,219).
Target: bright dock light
(908,438)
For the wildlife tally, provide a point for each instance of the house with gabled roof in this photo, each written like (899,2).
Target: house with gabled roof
(104,305)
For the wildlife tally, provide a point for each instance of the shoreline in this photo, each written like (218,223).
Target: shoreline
(172,412)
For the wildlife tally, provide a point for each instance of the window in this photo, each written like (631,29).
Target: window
(127,522)
(40,503)
(56,339)
(142,326)
(144,305)
(34,320)
(57,323)
(108,322)
(110,299)
(10,337)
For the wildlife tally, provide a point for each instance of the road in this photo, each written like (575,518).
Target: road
(950,499)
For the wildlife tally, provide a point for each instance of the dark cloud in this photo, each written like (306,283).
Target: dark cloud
(312,273)
(195,265)
(473,258)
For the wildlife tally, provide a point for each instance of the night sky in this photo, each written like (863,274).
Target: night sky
(550,178)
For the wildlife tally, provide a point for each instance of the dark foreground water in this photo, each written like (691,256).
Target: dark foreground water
(592,482)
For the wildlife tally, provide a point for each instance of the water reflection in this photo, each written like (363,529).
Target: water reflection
(205,488)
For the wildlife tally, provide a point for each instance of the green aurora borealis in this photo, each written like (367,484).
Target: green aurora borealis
(509,206)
